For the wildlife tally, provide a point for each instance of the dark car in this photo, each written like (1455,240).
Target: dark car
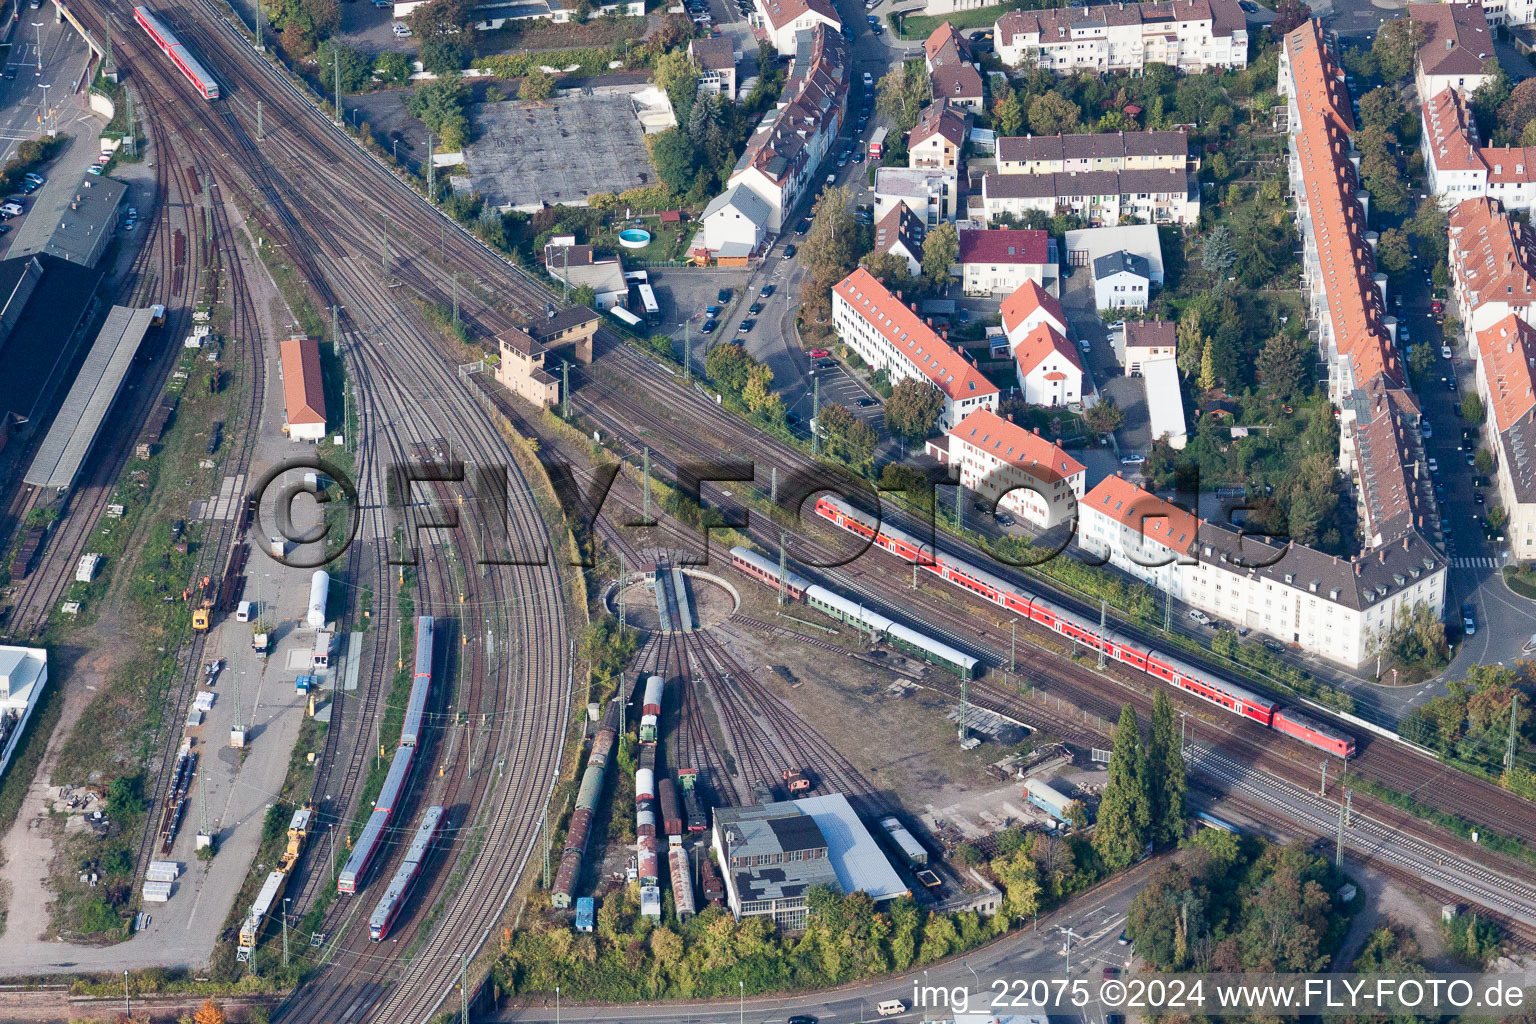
(767,291)
(802,1018)
(865,403)
(755,308)
(746,325)
(723,295)
(4,228)
(789,252)
(709,326)
(803,226)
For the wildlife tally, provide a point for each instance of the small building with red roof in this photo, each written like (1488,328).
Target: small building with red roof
(1029,306)
(1049,368)
(1016,468)
(303,389)
(890,336)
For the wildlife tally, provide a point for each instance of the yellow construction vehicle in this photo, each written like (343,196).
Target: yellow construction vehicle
(202,615)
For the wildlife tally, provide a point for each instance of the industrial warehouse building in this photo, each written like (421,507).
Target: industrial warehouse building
(91,397)
(771,855)
(23,674)
(46,305)
(303,389)
(85,226)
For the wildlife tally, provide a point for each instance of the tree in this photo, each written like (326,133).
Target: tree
(209,1013)
(1165,771)
(356,75)
(1492,94)
(1289,16)
(845,437)
(1207,379)
(1282,364)
(1416,639)
(1482,461)
(829,253)
(1393,253)
(1008,113)
(902,94)
(677,74)
(1191,338)
(729,366)
(1497,517)
(673,156)
(392,67)
(1053,114)
(444,55)
(1125,811)
(1422,359)
(1397,44)
(1104,418)
(1217,254)
(889,269)
(941,248)
(537,85)
(913,409)
(441,18)
(440,105)
(1381,108)
(1472,408)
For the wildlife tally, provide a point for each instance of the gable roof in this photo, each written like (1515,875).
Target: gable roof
(946,37)
(1006,440)
(1494,254)
(1145,512)
(303,385)
(1091,146)
(1004,245)
(938,118)
(1456,38)
(741,199)
(1027,298)
(782,12)
(914,340)
(1508,350)
(1121,262)
(1038,345)
(1058,25)
(1151,334)
(902,226)
(717,53)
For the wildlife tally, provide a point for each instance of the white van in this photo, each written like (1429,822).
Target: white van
(891,1007)
(243,613)
(11,209)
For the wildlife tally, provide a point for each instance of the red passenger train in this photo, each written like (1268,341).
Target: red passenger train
(1227,695)
(164,38)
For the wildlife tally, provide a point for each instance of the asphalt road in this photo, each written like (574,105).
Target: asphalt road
(57,63)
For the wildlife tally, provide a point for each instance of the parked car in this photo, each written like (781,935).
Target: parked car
(869,80)
(818,353)
(1468,619)
(1426,429)
(766,291)
(1132,460)
(1445,351)
(1199,616)
(865,403)
(723,296)
(789,251)
(402,30)
(746,325)
(709,326)
(1434,464)
(755,308)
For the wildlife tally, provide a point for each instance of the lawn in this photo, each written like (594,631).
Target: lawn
(921,26)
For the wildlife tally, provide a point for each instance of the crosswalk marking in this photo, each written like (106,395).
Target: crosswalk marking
(1474,563)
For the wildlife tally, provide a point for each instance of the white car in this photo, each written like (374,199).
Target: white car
(1445,351)
(1200,617)
(1132,460)
(869,79)
(402,30)
(1434,464)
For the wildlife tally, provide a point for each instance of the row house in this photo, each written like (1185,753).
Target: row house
(1457,167)
(1017,468)
(889,336)
(1099,197)
(788,146)
(1096,151)
(937,141)
(1493,265)
(1506,382)
(1192,36)
(1337,608)
(782,21)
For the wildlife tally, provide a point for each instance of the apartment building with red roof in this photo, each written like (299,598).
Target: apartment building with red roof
(780,21)
(1456,43)
(938,138)
(1049,368)
(999,261)
(890,336)
(1029,306)
(1458,167)
(1015,467)
(951,71)
(1493,265)
(1506,382)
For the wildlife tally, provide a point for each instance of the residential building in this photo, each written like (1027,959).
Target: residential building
(1027,308)
(735,225)
(1049,369)
(1000,260)
(1456,43)
(303,389)
(1087,244)
(1145,341)
(716,57)
(1337,608)
(951,70)
(1017,468)
(1099,197)
(1457,167)
(783,20)
(789,144)
(928,192)
(521,370)
(772,855)
(890,336)
(23,677)
(1493,265)
(1121,280)
(901,232)
(579,265)
(1506,382)
(938,138)
(937,8)
(1190,35)
(1094,151)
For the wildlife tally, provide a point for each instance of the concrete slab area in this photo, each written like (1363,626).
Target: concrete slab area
(558,151)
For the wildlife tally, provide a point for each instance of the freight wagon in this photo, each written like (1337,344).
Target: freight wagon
(671,816)
(682,881)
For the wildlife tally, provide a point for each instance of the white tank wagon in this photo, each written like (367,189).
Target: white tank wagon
(319,591)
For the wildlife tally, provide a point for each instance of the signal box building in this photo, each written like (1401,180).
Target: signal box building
(303,389)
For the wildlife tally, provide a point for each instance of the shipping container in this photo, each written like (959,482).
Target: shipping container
(157,892)
(671,813)
(322,655)
(163,871)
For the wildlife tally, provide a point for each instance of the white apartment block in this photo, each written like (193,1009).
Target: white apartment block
(890,336)
(1017,468)
(1190,35)
(1099,197)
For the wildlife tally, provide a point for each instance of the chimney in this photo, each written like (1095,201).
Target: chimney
(1405,542)
(1357,568)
